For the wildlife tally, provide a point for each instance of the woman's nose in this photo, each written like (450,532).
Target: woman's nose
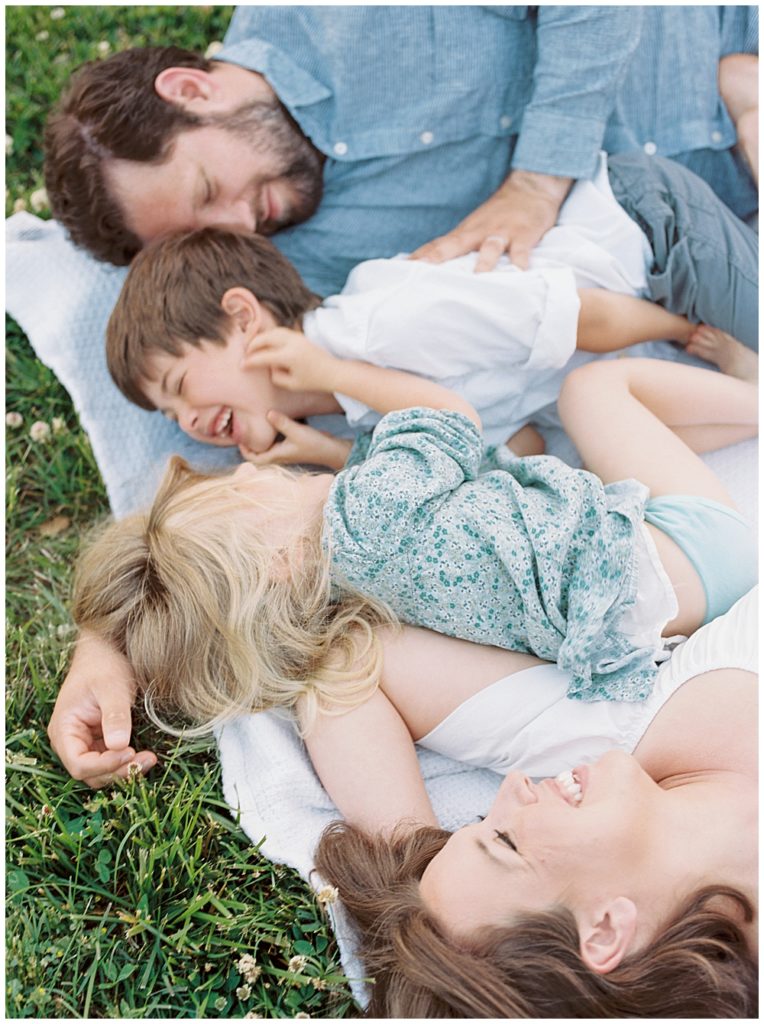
(516,790)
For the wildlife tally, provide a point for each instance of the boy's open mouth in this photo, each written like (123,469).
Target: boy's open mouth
(223,425)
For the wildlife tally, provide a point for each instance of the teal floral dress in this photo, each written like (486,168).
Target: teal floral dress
(525,554)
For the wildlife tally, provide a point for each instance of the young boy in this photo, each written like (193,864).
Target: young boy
(195,304)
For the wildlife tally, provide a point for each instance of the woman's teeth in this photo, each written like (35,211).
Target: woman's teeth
(224,424)
(570,785)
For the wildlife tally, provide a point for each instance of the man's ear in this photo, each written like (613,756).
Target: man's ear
(607,934)
(244,309)
(192,89)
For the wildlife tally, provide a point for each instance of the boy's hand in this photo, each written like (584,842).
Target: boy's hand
(302,445)
(296,364)
(91,721)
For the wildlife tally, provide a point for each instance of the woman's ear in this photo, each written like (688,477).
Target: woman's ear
(607,934)
(244,309)
(192,89)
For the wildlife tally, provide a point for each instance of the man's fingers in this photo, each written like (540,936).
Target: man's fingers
(447,247)
(520,253)
(490,252)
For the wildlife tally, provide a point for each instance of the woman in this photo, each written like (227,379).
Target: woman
(626,888)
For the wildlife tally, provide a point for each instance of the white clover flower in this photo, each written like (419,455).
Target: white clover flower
(244,992)
(58,423)
(8,145)
(327,894)
(296,963)
(212,49)
(248,968)
(39,200)
(39,431)
(302,1016)
(104,47)
(42,36)
(57,13)
(19,205)
(13,420)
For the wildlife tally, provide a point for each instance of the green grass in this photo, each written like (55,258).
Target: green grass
(139,900)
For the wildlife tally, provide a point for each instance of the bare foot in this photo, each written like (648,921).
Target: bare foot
(726,352)
(527,441)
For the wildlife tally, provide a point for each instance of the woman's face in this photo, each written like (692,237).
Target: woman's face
(542,844)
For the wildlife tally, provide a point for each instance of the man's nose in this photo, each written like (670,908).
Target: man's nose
(238,215)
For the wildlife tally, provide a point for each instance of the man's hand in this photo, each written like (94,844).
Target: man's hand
(90,725)
(513,220)
(296,364)
(302,445)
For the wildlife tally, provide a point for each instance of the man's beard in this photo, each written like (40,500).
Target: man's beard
(269,128)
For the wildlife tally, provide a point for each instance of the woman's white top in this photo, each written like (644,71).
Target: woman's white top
(502,339)
(526,723)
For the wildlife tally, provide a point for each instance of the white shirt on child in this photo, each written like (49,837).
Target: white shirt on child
(503,339)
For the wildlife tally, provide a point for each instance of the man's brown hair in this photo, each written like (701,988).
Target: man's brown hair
(110,110)
(173,294)
(698,965)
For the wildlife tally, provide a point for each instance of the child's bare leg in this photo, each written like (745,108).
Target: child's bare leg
(527,441)
(608,321)
(739,88)
(620,415)
(726,352)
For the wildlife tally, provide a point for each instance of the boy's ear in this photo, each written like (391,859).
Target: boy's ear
(192,89)
(244,309)
(607,934)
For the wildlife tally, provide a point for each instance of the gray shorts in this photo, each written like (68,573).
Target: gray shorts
(705,260)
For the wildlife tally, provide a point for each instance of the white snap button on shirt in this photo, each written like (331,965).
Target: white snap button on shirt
(340,148)
(426,138)
(650,148)
(505,121)
(716,136)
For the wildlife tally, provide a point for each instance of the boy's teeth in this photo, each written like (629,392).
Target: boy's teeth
(224,423)
(567,781)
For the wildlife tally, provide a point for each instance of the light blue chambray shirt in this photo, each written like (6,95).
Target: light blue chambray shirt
(422,111)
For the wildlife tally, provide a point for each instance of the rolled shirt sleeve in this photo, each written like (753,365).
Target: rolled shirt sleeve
(582,56)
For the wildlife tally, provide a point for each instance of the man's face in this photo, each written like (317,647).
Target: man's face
(251,169)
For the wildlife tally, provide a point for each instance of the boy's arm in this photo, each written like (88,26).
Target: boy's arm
(368,765)
(608,321)
(91,721)
(296,364)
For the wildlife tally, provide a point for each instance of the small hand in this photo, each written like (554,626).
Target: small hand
(302,445)
(91,721)
(296,364)
(513,220)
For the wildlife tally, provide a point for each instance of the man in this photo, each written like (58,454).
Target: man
(403,123)
(373,130)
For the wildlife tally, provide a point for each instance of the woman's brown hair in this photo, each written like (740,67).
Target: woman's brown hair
(698,966)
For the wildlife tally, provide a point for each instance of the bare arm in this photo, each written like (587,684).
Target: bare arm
(608,321)
(298,365)
(367,762)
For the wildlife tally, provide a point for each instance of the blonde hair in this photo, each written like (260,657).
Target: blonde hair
(217,620)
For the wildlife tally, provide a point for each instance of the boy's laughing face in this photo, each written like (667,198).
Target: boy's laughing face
(211,398)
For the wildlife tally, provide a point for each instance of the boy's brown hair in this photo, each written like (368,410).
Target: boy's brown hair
(172,297)
(110,110)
